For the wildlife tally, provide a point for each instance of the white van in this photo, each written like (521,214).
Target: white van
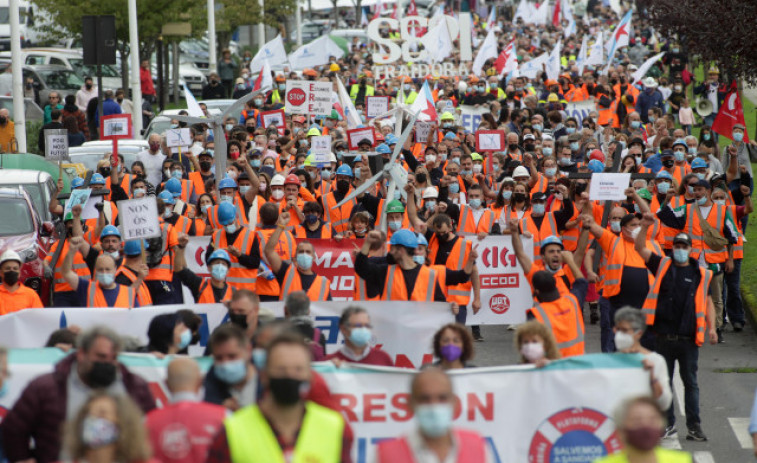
(30,20)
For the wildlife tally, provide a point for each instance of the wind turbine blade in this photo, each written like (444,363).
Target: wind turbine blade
(401,141)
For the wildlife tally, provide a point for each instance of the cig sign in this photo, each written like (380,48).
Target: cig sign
(457,28)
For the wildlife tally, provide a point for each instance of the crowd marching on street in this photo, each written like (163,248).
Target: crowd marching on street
(523,146)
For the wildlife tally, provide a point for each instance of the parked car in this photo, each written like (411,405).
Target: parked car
(23,231)
(31,109)
(51,78)
(91,152)
(70,59)
(39,185)
(27,162)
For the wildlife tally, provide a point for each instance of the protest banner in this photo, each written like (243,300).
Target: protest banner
(376,106)
(609,187)
(178,137)
(77,198)
(470,117)
(505,293)
(308,97)
(422,129)
(490,140)
(115,126)
(274,118)
(320,148)
(139,218)
(559,413)
(580,109)
(56,144)
(403,329)
(354,137)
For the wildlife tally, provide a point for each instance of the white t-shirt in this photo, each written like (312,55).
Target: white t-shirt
(153,165)
(660,372)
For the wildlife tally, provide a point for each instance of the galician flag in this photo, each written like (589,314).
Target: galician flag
(424,105)
(620,37)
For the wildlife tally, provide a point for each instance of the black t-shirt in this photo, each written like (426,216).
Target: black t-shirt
(306,280)
(676,306)
(193,282)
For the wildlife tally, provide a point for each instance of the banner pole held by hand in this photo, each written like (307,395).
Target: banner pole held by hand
(142,250)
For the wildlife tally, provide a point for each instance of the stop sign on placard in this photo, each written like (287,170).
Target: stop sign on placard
(296,97)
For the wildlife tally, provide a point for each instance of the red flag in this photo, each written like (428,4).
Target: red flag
(258,82)
(556,14)
(730,113)
(378,11)
(394,12)
(412,10)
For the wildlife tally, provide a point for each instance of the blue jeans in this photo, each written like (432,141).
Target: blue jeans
(732,294)
(607,337)
(687,354)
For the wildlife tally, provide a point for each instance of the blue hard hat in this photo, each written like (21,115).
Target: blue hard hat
(664,174)
(383,149)
(167,197)
(551,239)
(596,166)
(698,163)
(110,230)
(227,182)
(681,142)
(404,237)
(132,248)
(97,179)
(344,169)
(391,139)
(77,182)
(220,254)
(227,213)
(173,185)
(450,136)
(421,239)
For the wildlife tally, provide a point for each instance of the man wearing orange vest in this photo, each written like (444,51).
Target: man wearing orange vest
(15,296)
(198,178)
(540,224)
(127,273)
(63,295)
(561,314)
(680,312)
(103,291)
(717,258)
(297,275)
(267,286)
(242,245)
(204,290)
(339,217)
(432,401)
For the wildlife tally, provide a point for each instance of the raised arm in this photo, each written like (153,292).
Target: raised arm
(274,260)
(520,254)
(179,260)
(68,262)
(640,243)
(412,209)
(567,257)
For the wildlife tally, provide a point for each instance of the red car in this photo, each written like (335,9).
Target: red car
(22,230)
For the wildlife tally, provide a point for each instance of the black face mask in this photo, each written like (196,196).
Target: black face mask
(512,147)
(205,165)
(88,86)
(519,197)
(10,277)
(3,120)
(287,391)
(250,129)
(529,147)
(238,319)
(102,375)
(105,171)
(668,162)
(342,186)
(441,236)
(580,188)
(420,178)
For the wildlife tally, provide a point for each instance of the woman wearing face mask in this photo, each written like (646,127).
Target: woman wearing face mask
(167,335)
(269,160)
(205,203)
(233,150)
(453,346)
(313,227)
(502,202)
(518,204)
(360,225)
(641,425)
(629,328)
(536,344)
(107,429)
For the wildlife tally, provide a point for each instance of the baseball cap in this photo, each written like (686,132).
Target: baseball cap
(682,238)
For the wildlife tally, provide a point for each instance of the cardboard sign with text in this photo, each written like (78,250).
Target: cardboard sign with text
(139,218)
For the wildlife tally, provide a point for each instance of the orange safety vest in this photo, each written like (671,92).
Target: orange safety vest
(96,298)
(301,232)
(564,319)
(700,301)
(694,229)
(455,261)
(294,221)
(143,293)
(238,276)
(80,267)
(667,234)
(208,297)
(680,171)
(576,94)
(396,290)
(738,248)
(285,249)
(541,184)
(616,259)
(468,224)
(548,228)
(563,277)
(339,218)
(246,115)
(110,218)
(198,183)
(470,448)
(125,185)
(318,291)
(164,270)
(184,225)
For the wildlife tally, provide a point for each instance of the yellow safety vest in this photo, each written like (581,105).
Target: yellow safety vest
(369,91)
(251,438)
(662,455)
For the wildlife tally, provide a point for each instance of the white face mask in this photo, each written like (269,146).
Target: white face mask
(532,351)
(277,194)
(623,341)
(477,168)
(635,232)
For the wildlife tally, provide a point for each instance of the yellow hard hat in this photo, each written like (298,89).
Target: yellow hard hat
(334,67)
(314,132)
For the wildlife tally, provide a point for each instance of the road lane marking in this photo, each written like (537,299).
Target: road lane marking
(703,457)
(740,428)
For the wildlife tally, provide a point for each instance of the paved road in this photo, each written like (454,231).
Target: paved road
(725,398)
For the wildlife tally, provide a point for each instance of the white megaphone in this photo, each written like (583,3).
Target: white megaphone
(704,107)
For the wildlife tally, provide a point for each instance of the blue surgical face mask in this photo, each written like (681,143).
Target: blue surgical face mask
(325,174)
(259,358)
(564,161)
(651,118)
(360,336)
(229,127)
(106,279)
(255,163)
(615,226)
(719,202)
(507,194)
(635,124)
(700,175)
(706,137)
(420,260)
(663,187)
(231,372)
(679,156)
(204,208)
(454,187)
(231,228)
(550,171)
(244,188)
(430,205)
(681,255)
(475,203)
(574,146)
(702,200)
(435,420)
(219,271)
(139,192)
(547,151)
(304,261)
(186,338)
(570,130)
(357,172)
(394,225)
(176,174)
(227,199)
(466,172)
(282,87)
(738,136)
(538,127)
(690,190)
(493,85)
(692,150)
(538,209)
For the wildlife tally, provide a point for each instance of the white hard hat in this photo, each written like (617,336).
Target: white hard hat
(430,192)
(10,254)
(277,180)
(462,86)
(332,157)
(521,171)
(649,82)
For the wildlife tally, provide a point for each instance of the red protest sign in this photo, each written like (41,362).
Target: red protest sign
(333,260)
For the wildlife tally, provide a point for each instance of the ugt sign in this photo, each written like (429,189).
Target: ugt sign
(457,28)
